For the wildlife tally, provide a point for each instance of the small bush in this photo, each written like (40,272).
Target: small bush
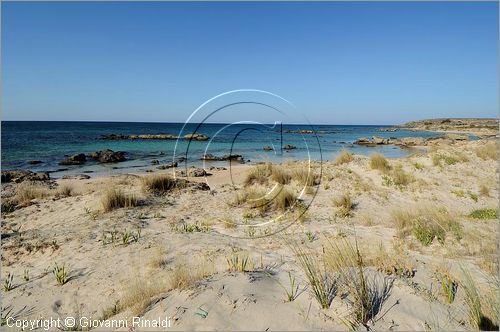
(488,151)
(484,214)
(115,199)
(8,206)
(439,158)
(484,190)
(184,276)
(378,161)
(343,158)
(65,190)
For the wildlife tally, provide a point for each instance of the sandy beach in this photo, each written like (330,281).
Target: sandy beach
(263,247)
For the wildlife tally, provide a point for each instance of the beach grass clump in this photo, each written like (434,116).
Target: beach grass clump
(488,151)
(401,178)
(306,177)
(344,157)
(344,205)
(487,213)
(115,199)
(139,294)
(61,274)
(477,318)
(184,276)
(449,286)
(8,282)
(239,262)
(365,291)
(259,174)
(484,190)
(27,191)
(280,175)
(65,190)
(322,284)
(8,205)
(449,158)
(160,183)
(378,161)
(426,223)
(286,198)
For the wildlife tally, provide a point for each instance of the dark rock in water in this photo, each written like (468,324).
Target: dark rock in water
(34,162)
(149,171)
(108,156)
(211,157)
(155,162)
(18,176)
(61,169)
(76,159)
(196,137)
(289,147)
(181,159)
(169,165)
(88,172)
(267,148)
(76,177)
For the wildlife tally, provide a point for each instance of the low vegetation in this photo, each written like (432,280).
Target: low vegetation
(161,183)
(344,205)
(61,274)
(488,151)
(344,157)
(426,223)
(484,214)
(378,161)
(115,199)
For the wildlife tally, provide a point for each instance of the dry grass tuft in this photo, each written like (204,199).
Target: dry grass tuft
(184,276)
(259,174)
(160,183)
(400,177)
(488,151)
(141,293)
(284,199)
(115,199)
(306,177)
(280,175)
(344,204)
(426,223)
(27,191)
(343,158)
(378,161)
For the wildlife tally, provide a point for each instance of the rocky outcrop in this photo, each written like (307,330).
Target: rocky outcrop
(76,159)
(197,172)
(108,156)
(289,147)
(196,137)
(76,177)
(119,137)
(155,162)
(232,157)
(410,141)
(34,162)
(18,176)
(267,148)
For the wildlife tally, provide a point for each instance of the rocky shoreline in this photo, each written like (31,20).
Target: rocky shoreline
(118,137)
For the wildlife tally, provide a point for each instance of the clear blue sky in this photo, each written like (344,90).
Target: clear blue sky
(341,63)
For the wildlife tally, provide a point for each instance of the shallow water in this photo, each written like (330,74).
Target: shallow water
(49,142)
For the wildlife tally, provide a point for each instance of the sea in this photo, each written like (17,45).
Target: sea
(50,142)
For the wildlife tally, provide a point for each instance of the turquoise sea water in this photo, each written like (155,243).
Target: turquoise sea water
(50,142)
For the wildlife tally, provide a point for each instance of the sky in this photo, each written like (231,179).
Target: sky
(337,62)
